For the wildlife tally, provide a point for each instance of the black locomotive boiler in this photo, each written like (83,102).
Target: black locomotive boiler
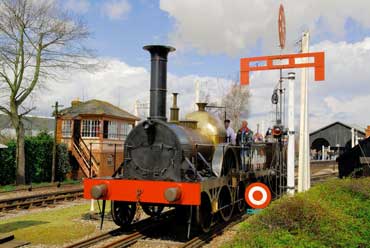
(184,164)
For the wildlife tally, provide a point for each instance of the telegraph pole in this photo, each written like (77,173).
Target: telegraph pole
(303,162)
(291,135)
(56,109)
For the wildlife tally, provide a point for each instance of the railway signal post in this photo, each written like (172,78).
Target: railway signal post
(303,160)
(273,62)
(291,135)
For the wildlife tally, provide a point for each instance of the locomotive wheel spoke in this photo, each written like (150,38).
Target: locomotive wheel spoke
(123,212)
(225,204)
(204,214)
(240,202)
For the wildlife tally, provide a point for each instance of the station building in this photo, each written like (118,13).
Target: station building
(94,132)
(334,138)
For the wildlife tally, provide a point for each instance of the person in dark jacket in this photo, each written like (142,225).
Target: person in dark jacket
(244,138)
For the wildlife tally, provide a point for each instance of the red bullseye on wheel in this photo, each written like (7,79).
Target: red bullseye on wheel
(258,195)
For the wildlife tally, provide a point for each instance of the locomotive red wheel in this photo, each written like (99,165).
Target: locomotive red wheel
(152,210)
(240,201)
(123,212)
(225,204)
(204,213)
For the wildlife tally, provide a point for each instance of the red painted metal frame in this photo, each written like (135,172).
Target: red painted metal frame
(144,191)
(318,64)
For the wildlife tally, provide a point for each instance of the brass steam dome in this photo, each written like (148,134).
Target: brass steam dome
(208,124)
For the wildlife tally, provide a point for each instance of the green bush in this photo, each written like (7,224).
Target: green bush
(7,164)
(333,214)
(39,156)
(63,165)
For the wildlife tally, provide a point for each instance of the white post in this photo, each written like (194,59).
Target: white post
(304,163)
(291,141)
(323,152)
(136,110)
(352,137)
(92,205)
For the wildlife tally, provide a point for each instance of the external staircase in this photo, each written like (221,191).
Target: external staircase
(88,163)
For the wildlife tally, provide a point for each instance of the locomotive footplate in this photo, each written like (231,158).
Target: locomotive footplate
(157,192)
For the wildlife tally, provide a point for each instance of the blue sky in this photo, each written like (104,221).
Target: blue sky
(146,23)
(210,37)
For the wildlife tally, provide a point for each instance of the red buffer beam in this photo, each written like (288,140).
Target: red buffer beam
(286,61)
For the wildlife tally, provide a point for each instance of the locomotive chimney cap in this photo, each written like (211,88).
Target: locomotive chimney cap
(157,48)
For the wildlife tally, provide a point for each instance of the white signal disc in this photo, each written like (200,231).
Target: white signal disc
(257,195)
(251,197)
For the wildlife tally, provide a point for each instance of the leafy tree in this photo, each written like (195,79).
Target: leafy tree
(236,102)
(37,39)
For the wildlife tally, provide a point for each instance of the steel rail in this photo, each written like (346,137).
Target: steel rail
(30,188)
(218,229)
(130,238)
(39,199)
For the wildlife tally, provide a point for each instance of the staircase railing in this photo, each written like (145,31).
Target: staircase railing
(90,163)
(86,150)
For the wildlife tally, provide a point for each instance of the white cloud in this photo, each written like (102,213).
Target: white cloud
(219,26)
(343,96)
(116,9)
(120,84)
(78,6)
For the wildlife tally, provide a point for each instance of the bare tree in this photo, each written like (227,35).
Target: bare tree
(236,102)
(37,40)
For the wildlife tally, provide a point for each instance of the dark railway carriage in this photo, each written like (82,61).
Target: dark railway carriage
(184,164)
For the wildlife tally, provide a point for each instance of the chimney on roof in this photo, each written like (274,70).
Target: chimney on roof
(367,132)
(75,102)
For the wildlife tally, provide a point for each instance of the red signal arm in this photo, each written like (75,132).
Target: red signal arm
(268,64)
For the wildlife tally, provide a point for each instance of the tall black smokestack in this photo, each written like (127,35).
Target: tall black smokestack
(158,80)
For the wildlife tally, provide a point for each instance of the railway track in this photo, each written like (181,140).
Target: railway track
(138,231)
(32,188)
(38,200)
(203,239)
(321,178)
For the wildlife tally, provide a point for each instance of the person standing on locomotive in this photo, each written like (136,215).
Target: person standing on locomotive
(244,138)
(230,133)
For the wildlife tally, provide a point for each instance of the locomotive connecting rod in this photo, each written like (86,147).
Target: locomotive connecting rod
(158,80)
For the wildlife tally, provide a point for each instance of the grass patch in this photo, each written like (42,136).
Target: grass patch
(332,214)
(52,227)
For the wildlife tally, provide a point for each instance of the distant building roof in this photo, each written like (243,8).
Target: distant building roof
(96,107)
(29,122)
(336,134)
(356,127)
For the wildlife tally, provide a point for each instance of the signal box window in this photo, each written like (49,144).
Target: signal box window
(90,128)
(124,130)
(67,128)
(110,130)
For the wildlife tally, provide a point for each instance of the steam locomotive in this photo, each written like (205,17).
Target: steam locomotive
(184,164)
